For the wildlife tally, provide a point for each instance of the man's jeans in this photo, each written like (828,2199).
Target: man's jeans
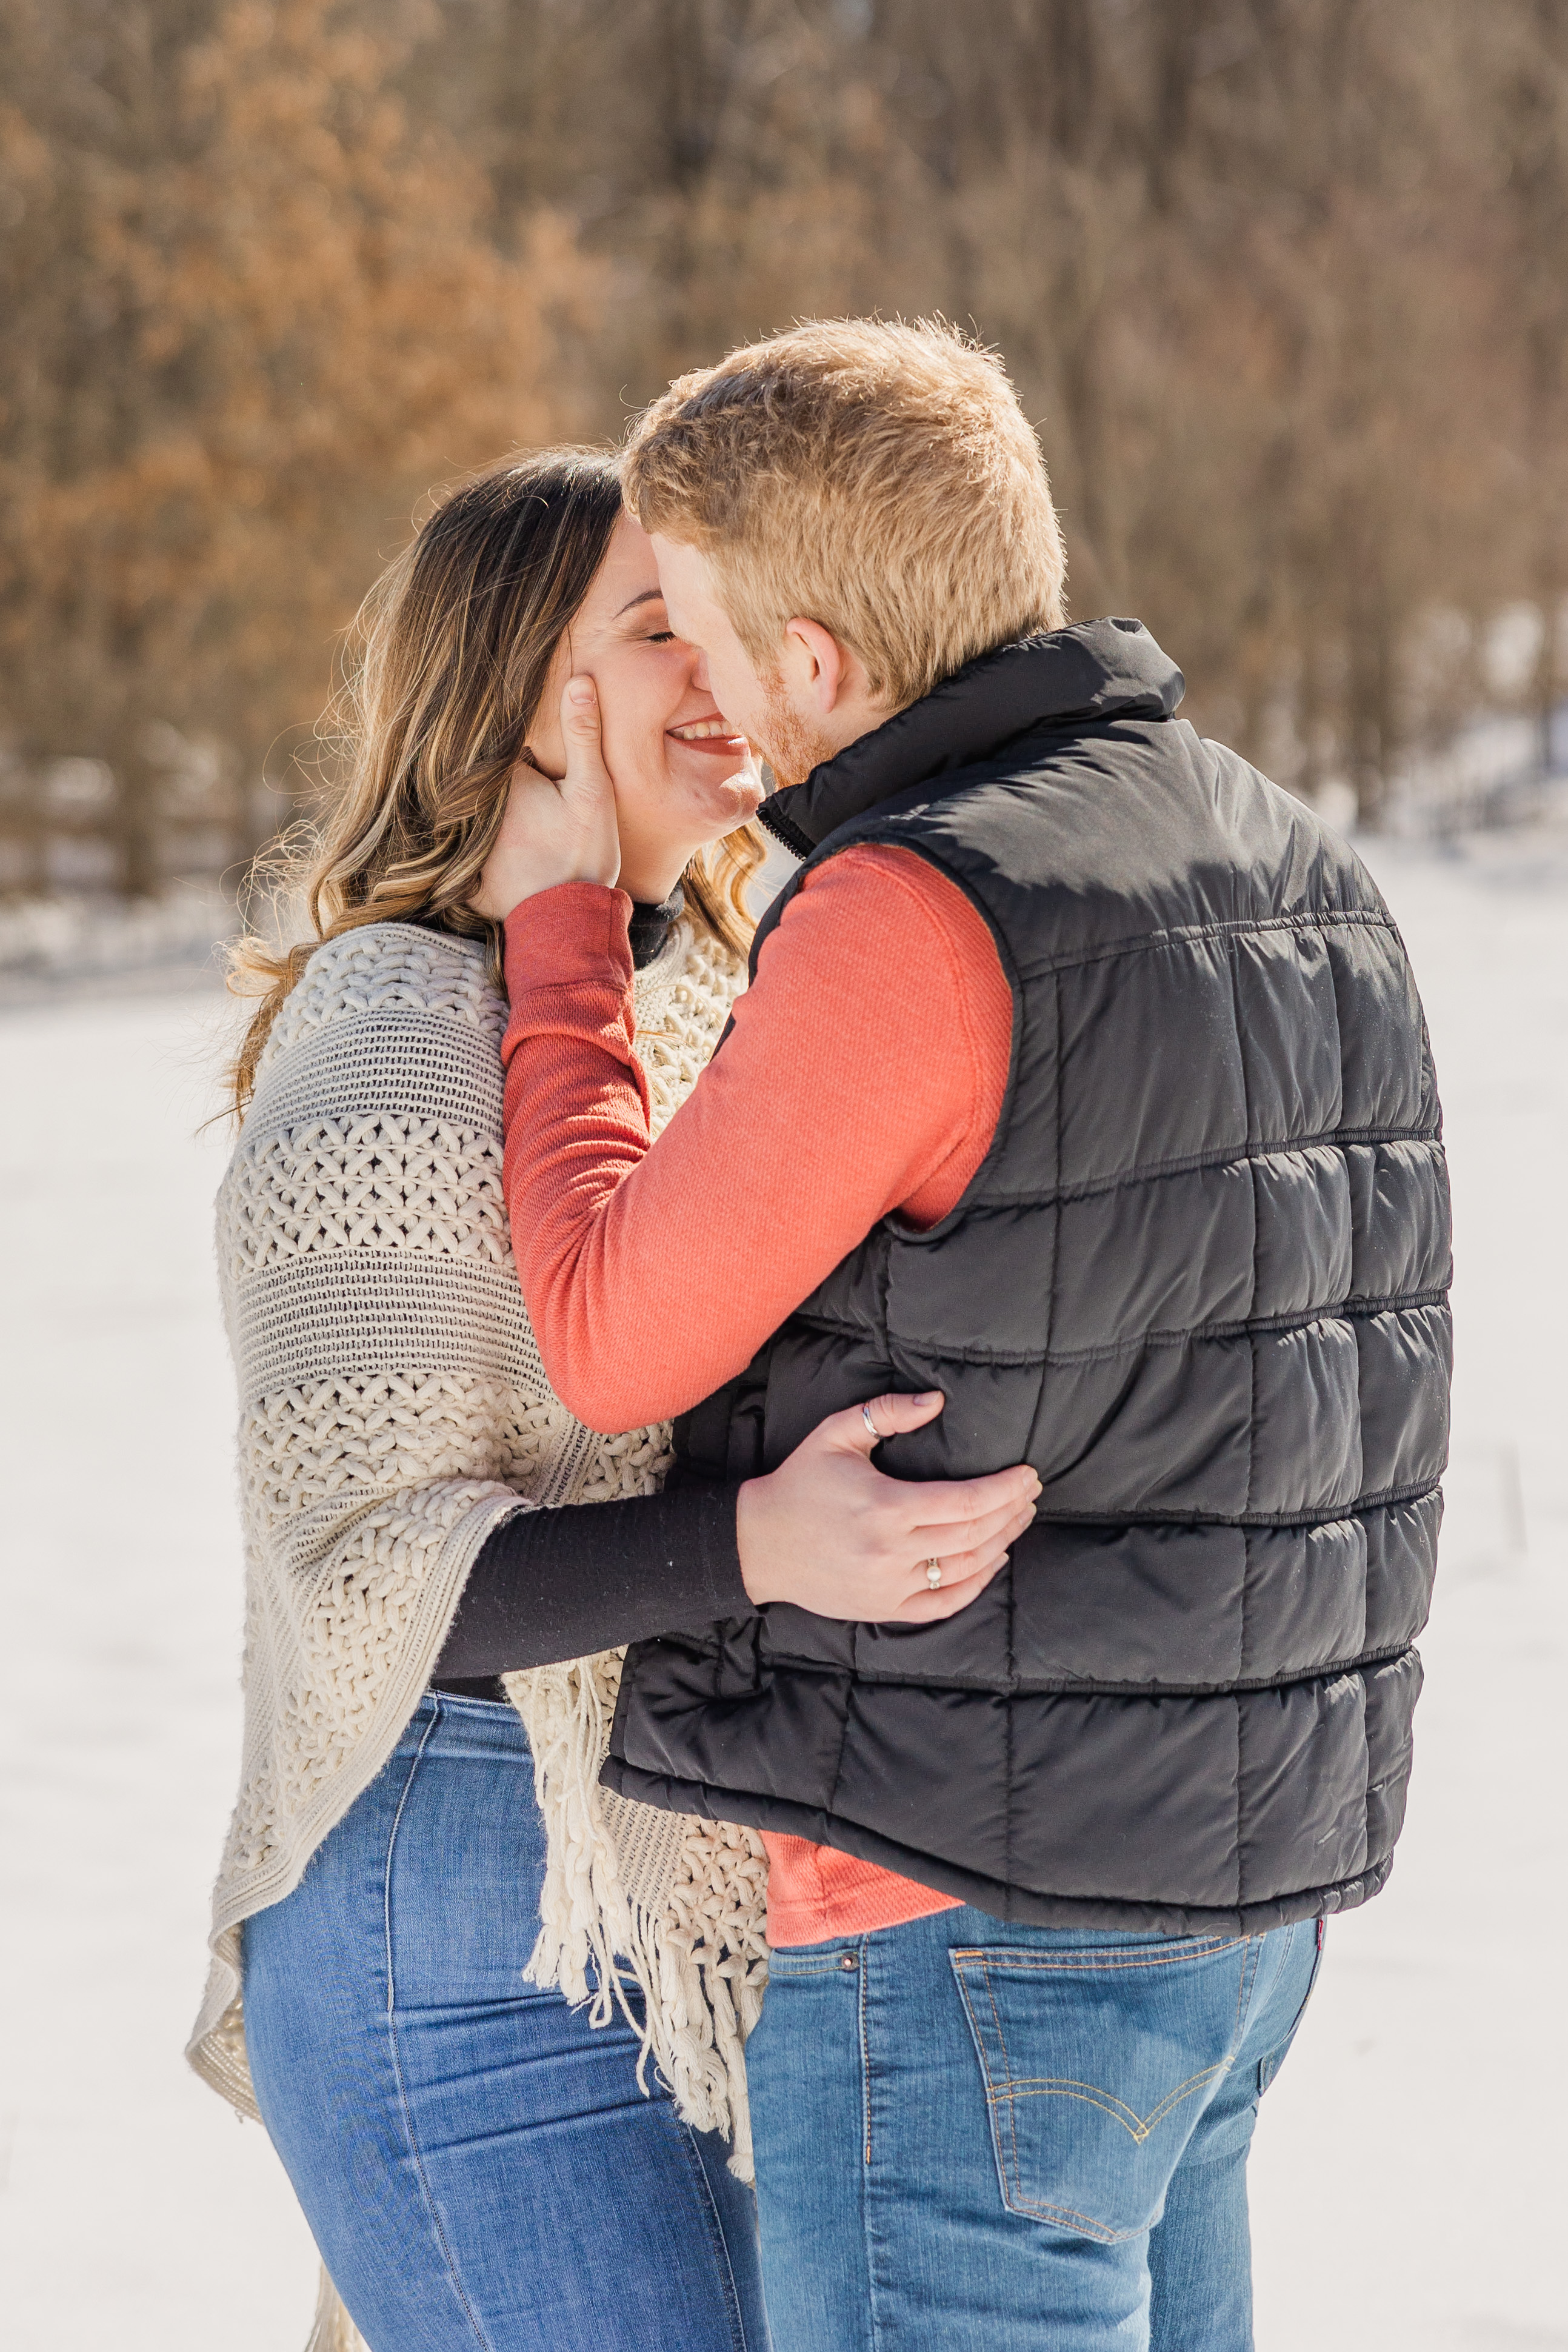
(972,2138)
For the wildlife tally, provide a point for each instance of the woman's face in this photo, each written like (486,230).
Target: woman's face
(681,778)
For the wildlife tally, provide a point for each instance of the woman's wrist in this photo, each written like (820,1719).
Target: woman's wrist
(751,1521)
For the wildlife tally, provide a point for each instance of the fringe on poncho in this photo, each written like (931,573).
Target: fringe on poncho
(393,1411)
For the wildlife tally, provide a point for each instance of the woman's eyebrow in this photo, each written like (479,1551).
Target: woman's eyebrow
(644,596)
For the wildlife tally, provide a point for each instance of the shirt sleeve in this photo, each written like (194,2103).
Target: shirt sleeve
(564,1583)
(865,1073)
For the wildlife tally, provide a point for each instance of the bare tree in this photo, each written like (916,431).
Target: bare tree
(253,312)
(1279,280)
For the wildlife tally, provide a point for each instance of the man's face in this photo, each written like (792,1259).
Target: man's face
(788,735)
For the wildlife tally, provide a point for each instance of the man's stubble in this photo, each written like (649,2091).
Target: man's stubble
(791,746)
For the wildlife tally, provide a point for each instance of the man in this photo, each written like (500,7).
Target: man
(1081,1077)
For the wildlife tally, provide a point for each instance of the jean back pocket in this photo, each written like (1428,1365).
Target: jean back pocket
(1097,2063)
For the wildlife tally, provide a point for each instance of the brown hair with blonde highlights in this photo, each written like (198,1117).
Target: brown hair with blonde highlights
(449,654)
(876,477)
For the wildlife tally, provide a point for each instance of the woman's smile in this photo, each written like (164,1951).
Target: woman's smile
(712,733)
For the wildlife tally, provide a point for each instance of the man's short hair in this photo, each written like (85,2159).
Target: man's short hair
(879,480)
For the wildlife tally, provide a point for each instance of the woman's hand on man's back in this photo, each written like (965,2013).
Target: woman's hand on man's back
(827,1532)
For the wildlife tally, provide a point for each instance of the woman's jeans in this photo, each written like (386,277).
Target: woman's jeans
(972,2138)
(477,2162)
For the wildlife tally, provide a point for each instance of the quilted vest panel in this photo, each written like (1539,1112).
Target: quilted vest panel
(1200,1284)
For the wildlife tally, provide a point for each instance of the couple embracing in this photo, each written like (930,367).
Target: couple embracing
(1012,1395)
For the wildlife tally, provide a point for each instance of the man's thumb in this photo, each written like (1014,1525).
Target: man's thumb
(580,706)
(586,787)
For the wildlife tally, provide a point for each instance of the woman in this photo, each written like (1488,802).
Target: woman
(482,2159)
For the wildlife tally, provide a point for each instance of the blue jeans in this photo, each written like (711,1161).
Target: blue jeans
(972,2138)
(477,2163)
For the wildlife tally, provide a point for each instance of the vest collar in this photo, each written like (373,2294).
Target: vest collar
(1095,671)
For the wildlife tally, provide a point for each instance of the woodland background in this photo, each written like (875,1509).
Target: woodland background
(1283,283)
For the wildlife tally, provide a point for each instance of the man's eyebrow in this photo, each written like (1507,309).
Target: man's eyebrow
(646,596)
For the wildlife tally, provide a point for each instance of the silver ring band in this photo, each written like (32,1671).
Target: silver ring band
(933,1574)
(865,1416)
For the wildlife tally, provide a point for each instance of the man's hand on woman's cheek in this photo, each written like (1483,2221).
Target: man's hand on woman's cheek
(556,831)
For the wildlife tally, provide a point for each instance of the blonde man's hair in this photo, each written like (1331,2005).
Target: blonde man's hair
(880,479)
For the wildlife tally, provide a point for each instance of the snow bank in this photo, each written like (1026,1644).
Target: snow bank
(1408,2186)
(1405,2183)
(51,949)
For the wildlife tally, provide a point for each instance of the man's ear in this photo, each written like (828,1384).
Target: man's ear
(817,665)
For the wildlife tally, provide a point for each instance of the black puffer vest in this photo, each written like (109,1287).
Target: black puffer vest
(1199,1283)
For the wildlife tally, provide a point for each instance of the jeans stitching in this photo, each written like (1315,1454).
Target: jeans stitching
(864,1972)
(715,2228)
(1084,2224)
(1003,2187)
(1140,2128)
(1094,2094)
(990,1956)
(1244,1992)
(873,2314)
(452,2271)
(1007,2061)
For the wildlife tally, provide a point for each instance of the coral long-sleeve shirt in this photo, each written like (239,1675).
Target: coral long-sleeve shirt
(865,1074)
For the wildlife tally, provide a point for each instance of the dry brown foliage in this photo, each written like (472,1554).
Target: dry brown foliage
(1281,280)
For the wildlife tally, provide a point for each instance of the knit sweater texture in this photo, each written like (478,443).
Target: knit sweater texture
(393,1411)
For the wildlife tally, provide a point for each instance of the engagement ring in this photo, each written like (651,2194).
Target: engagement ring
(934,1573)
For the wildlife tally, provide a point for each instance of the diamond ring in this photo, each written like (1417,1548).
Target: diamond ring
(933,1574)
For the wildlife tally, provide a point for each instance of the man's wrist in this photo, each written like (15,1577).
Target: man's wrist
(573,931)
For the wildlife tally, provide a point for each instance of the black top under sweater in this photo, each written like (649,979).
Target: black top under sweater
(567,1582)
(564,1583)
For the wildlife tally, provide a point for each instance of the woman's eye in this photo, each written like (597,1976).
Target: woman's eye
(661,638)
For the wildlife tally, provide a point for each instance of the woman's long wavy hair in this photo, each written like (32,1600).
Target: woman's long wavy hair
(448,659)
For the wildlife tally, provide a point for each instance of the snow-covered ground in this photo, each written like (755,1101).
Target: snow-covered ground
(1408,2189)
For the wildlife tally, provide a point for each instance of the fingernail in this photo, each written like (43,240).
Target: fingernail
(929,1396)
(581,689)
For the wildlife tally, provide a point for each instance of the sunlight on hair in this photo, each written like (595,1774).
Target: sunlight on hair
(442,675)
(875,476)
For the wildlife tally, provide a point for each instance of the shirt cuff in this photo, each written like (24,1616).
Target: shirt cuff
(574,934)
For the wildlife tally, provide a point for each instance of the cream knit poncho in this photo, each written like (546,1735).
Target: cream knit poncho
(393,1410)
